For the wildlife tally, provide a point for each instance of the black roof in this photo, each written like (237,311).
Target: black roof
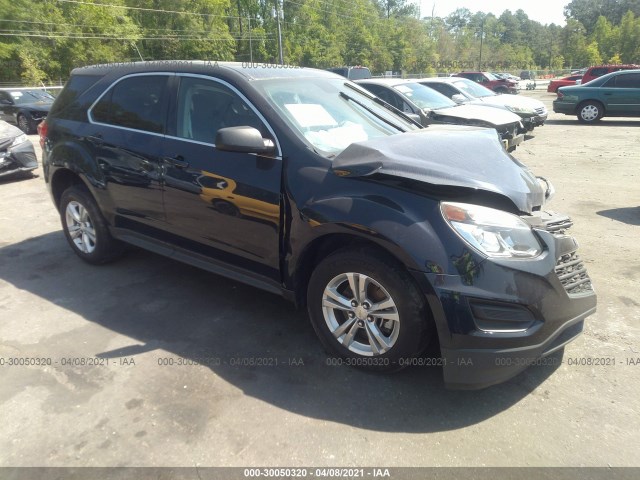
(250,71)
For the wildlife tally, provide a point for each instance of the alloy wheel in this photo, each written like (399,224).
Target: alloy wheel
(80,227)
(361,314)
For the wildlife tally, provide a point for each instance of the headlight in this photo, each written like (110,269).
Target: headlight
(520,110)
(493,232)
(547,186)
(18,140)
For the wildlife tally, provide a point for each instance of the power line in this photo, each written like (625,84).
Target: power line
(128,39)
(157,10)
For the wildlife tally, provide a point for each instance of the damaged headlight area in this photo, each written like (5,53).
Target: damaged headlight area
(492,232)
(18,140)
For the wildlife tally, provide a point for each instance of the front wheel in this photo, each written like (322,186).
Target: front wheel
(366,308)
(24,125)
(590,112)
(85,228)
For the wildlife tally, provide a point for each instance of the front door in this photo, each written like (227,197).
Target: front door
(225,205)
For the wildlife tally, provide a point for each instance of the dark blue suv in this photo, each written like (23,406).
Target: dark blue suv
(299,182)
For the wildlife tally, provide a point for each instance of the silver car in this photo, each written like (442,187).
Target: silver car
(462,91)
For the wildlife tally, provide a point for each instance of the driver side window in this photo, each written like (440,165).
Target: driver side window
(205,106)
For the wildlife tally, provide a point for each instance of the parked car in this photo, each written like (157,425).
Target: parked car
(498,85)
(554,85)
(352,73)
(532,112)
(594,72)
(527,75)
(506,75)
(17,155)
(616,94)
(388,233)
(24,108)
(429,107)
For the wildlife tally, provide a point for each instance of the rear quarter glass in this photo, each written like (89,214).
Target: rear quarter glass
(73,89)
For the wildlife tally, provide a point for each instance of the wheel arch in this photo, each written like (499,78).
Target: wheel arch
(584,102)
(323,246)
(61,180)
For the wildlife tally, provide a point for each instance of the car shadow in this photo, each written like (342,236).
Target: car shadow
(17,177)
(628,215)
(166,305)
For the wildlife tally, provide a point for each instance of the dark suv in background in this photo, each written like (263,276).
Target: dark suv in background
(299,182)
(352,73)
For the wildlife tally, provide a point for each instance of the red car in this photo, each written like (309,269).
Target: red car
(490,81)
(594,72)
(554,85)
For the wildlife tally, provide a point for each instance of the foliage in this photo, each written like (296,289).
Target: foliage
(42,41)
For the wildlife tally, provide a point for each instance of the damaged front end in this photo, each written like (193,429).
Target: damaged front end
(505,284)
(17,155)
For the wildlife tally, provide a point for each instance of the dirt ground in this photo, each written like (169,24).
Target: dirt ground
(148,356)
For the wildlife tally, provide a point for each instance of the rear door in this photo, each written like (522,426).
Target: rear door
(621,94)
(127,125)
(224,205)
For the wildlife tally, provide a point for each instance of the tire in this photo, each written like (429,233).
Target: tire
(85,228)
(24,124)
(501,90)
(590,112)
(402,327)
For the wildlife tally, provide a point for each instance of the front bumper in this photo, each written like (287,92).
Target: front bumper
(500,316)
(21,158)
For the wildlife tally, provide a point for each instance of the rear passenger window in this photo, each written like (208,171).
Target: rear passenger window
(135,102)
(628,80)
(205,106)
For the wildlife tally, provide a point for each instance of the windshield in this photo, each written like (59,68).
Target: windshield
(21,97)
(424,97)
(474,89)
(330,113)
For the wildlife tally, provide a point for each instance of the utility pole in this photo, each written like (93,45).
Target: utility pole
(280,55)
(481,40)
(250,44)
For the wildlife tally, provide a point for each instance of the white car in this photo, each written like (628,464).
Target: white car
(463,91)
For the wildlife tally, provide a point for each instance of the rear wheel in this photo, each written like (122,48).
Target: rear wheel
(590,112)
(85,228)
(366,309)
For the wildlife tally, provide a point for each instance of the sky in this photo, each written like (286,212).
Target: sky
(543,11)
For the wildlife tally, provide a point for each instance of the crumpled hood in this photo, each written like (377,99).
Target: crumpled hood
(480,113)
(514,101)
(470,157)
(8,132)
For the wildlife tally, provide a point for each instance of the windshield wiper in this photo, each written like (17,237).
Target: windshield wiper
(383,104)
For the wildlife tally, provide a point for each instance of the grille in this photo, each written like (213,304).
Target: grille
(540,110)
(559,227)
(572,274)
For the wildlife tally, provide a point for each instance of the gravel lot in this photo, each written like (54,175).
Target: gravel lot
(144,315)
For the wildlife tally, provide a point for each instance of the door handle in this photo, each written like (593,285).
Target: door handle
(607,93)
(177,161)
(96,139)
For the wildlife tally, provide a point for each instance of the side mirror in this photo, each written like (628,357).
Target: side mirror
(4,101)
(415,117)
(459,98)
(243,140)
